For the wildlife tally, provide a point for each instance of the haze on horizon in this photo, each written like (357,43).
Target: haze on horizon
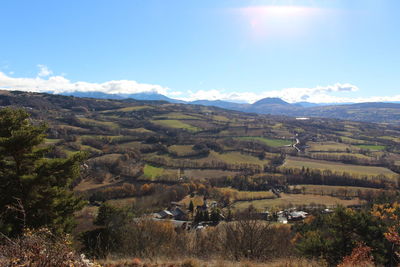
(241,51)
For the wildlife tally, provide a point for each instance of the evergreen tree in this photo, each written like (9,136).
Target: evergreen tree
(334,236)
(215,215)
(34,191)
(206,216)
(198,217)
(191,206)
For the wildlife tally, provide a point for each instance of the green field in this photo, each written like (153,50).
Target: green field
(237,158)
(152,172)
(372,147)
(349,140)
(155,173)
(228,158)
(269,141)
(351,191)
(135,108)
(335,167)
(176,116)
(176,124)
(204,173)
(335,155)
(294,200)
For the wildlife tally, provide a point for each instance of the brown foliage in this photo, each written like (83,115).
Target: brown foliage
(360,256)
(40,248)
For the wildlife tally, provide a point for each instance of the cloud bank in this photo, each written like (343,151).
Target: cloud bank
(45,81)
(59,84)
(317,94)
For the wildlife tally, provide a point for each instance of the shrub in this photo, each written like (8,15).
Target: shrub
(40,248)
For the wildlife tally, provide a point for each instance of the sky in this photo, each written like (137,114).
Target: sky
(322,51)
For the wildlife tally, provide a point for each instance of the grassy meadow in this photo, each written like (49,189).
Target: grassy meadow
(335,167)
(294,200)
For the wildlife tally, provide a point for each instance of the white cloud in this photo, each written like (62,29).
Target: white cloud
(44,71)
(318,94)
(59,84)
(289,94)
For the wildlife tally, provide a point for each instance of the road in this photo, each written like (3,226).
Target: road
(295,145)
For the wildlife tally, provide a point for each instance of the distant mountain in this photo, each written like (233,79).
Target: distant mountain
(270,101)
(307,104)
(220,104)
(138,96)
(369,112)
(99,95)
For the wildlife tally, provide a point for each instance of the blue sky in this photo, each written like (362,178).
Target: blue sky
(317,51)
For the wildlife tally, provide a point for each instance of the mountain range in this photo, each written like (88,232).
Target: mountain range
(379,112)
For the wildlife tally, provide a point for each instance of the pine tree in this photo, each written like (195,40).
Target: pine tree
(191,206)
(198,217)
(34,191)
(215,215)
(206,216)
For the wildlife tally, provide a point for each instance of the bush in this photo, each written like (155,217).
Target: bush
(40,248)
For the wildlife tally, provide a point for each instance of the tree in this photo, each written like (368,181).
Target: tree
(334,236)
(191,206)
(198,217)
(249,237)
(215,216)
(34,191)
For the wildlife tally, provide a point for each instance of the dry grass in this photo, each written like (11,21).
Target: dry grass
(90,184)
(197,201)
(204,174)
(327,146)
(122,202)
(291,262)
(181,150)
(93,122)
(237,195)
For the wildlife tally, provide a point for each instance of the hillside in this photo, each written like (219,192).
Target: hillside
(155,143)
(215,142)
(146,158)
(378,112)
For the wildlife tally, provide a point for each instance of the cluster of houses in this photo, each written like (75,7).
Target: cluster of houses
(175,212)
(179,216)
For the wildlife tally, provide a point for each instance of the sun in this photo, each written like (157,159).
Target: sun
(270,21)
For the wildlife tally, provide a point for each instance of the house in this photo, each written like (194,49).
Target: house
(297,215)
(178,214)
(164,214)
(175,204)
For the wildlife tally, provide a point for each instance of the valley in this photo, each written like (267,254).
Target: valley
(137,143)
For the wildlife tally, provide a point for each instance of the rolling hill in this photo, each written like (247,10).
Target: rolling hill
(135,145)
(379,112)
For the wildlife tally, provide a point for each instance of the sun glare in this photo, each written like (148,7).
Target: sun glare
(269,21)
